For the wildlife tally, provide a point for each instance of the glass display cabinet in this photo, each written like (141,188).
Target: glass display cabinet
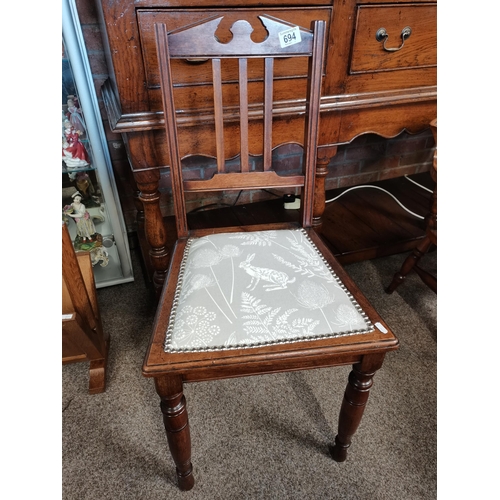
(90,202)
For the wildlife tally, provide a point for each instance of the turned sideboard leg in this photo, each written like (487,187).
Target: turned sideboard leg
(141,150)
(175,419)
(137,203)
(148,183)
(353,405)
(322,161)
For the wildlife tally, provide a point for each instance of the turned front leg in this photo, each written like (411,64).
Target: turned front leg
(353,405)
(175,419)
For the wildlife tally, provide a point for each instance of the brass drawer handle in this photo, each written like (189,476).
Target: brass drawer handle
(383,35)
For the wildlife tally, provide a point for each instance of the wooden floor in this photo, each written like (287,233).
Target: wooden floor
(360,224)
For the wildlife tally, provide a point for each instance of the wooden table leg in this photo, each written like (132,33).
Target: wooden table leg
(175,419)
(410,263)
(98,370)
(353,405)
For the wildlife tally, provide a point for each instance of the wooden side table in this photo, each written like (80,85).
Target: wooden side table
(83,338)
(412,261)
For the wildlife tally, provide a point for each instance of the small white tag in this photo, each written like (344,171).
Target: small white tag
(289,37)
(381,327)
(67,316)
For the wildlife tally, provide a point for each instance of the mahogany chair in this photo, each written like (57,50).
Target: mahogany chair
(250,300)
(412,261)
(83,338)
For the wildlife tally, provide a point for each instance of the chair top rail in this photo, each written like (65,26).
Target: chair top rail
(199,40)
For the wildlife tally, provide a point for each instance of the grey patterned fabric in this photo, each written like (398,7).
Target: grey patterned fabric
(255,288)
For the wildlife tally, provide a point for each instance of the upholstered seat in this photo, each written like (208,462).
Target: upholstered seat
(258,288)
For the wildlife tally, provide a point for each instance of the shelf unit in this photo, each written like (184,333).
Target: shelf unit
(95,179)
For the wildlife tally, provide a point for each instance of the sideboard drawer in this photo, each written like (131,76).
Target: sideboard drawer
(419,49)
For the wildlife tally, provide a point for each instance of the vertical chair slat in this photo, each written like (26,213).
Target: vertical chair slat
(218,110)
(243,84)
(268,112)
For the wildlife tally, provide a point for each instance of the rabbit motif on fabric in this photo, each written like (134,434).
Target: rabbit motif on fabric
(278,280)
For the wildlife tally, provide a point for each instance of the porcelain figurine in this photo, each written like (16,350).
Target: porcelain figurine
(74,153)
(86,232)
(74,115)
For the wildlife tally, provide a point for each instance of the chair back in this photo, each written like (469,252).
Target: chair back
(238,65)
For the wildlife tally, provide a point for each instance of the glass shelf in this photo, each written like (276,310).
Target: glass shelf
(66,170)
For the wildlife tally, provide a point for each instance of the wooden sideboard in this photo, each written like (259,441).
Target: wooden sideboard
(380,77)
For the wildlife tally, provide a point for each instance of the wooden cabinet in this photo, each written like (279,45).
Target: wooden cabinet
(372,83)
